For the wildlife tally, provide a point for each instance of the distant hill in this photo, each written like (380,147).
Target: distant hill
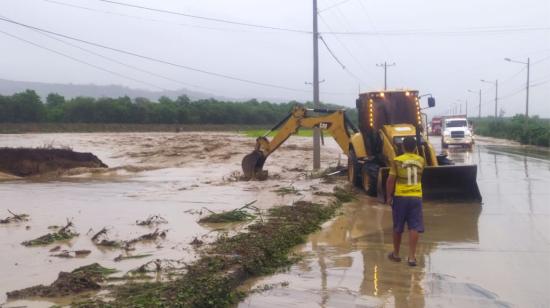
(9,87)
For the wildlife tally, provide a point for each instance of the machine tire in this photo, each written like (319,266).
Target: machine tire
(353,169)
(369,178)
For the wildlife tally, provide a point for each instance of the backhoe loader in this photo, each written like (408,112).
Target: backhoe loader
(385,119)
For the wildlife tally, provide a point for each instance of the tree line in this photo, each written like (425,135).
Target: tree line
(535,131)
(27,107)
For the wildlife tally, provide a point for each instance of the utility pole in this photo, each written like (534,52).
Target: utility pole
(316,130)
(479,106)
(465,101)
(527,94)
(496,99)
(496,95)
(385,66)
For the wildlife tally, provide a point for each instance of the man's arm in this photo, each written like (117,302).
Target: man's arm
(390,187)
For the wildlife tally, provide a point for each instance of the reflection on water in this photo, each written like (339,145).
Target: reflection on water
(493,255)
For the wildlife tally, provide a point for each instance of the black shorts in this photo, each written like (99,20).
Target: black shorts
(409,210)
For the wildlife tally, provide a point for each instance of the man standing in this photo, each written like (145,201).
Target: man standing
(404,194)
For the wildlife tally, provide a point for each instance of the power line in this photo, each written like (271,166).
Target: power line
(122,63)
(539,83)
(155,59)
(540,60)
(80,61)
(142,18)
(338,60)
(333,6)
(441,32)
(344,46)
(219,20)
(369,19)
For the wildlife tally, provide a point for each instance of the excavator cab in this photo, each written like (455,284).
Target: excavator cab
(385,119)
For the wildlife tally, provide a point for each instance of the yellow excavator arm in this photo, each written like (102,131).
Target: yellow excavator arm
(333,121)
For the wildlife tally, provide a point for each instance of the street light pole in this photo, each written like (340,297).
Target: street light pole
(316,131)
(526,86)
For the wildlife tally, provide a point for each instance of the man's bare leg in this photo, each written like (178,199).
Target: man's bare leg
(396,243)
(413,240)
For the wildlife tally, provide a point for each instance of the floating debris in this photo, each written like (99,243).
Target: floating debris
(63,234)
(152,220)
(146,237)
(236,215)
(290,190)
(14,218)
(72,254)
(196,242)
(127,257)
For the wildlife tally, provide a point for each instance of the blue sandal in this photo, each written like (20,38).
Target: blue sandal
(393,257)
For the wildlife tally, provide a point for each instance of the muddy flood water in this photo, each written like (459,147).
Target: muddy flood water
(492,255)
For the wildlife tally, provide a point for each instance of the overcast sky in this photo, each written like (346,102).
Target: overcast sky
(439,47)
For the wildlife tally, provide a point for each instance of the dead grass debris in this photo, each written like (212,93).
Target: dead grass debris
(14,218)
(237,215)
(63,234)
(152,220)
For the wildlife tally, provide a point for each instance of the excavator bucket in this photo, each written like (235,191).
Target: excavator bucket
(252,165)
(453,183)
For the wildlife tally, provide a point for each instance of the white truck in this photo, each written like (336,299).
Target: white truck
(456,131)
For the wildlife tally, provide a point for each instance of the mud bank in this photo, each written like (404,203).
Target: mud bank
(24,162)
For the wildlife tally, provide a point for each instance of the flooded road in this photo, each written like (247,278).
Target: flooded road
(493,255)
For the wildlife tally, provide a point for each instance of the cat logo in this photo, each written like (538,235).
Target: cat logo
(323,125)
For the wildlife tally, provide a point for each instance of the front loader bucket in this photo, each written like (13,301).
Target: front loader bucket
(453,183)
(252,165)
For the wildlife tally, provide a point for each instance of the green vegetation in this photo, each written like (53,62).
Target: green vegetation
(236,215)
(27,107)
(213,279)
(290,190)
(536,133)
(228,216)
(63,234)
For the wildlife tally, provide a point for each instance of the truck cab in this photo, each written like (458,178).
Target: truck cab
(456,131)
(435,126)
